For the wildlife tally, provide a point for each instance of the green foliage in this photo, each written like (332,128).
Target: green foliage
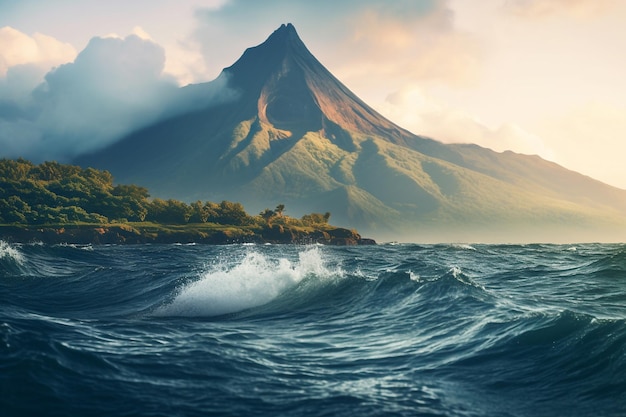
(232,213)
(15,170)
(50,171)
(168,212)
(315,219)
(133,191)
(199,212)
(14,210)
(268,215)
(54,193)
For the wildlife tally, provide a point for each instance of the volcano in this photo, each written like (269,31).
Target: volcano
(291,133)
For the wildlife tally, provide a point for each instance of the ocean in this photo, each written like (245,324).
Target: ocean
(289,330)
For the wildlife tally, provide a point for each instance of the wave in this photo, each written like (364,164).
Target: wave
(463,246)
(36,260)
(259,285)
(9,253)
(551,350)
(611,264)
(254,281)
(13,262)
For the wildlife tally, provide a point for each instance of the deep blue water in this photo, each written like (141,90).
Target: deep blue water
(426,330)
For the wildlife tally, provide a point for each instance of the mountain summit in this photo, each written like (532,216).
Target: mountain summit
(292,133)
(296,92)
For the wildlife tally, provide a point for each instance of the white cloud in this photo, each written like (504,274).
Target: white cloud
(37,54)
(186,63)
(590,137)
(421,48)
(420,113)
(580,9)
(113,87)
(38,49)
(141,33)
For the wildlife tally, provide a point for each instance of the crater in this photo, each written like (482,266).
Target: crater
(284,111)
(287,103)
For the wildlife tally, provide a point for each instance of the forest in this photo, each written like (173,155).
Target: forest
(52,193)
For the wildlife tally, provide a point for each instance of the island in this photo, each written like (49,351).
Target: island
(58,203)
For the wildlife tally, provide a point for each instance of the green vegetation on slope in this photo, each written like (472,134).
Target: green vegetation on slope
(54,194)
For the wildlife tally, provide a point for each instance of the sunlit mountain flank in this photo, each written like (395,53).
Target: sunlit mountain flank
(290,132)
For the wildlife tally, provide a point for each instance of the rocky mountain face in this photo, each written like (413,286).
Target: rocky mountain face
(292,133)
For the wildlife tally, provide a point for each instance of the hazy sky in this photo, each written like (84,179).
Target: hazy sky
(534,76)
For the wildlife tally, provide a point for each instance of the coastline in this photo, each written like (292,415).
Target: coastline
(143,233)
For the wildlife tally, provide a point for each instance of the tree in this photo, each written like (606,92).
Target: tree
(52,170)
(212,210)
(74,187)
(15,170)
(125,208)
(133,191)
(315,218)
(232,213)
(170,211)
(14,210)
(268,215)
(199,212)
(131,202)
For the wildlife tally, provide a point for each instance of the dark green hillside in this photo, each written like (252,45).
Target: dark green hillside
(56,202)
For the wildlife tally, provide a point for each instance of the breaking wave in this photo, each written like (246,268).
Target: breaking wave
(251,282)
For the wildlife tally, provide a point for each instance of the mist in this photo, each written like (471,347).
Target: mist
(113,87)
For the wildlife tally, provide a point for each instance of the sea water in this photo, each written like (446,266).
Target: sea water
(288,330)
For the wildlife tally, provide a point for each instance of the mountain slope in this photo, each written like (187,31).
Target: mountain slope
(294,134)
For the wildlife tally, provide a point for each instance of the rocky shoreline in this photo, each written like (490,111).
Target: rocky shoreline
(127,234)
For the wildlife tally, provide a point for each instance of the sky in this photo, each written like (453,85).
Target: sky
(538,77)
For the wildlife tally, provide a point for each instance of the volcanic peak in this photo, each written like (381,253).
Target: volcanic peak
(285,33)
(294,91)
(286,38)
(261,60)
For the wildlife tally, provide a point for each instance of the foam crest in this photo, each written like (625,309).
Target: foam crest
(463,246)
(9,252)
(254,281)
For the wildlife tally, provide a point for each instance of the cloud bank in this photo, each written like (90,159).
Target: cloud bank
(115,85)
(580,9)
(418,112)
(600,123)
(39,50)
(24,60)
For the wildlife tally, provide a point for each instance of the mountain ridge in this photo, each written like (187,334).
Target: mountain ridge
(295,134)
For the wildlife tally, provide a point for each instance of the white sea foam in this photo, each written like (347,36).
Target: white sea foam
(414,276)
(463,246)
(254,281)
(9,252)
